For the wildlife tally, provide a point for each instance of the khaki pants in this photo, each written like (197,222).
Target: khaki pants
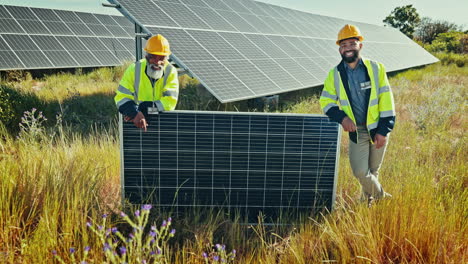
(365,161)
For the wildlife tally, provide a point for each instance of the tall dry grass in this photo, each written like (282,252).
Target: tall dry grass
(53,182)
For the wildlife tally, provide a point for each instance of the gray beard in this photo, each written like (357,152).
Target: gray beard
(155,74)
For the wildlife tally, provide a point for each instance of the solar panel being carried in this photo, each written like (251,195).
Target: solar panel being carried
(37,38)
(249,162)
(241,49)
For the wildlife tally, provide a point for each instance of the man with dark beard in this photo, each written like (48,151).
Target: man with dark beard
(150,85)
(357,95)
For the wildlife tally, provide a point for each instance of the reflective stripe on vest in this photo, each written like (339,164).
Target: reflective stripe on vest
(136,83)
(375,72)
(337,80)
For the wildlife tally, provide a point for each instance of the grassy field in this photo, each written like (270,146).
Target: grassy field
(60,185)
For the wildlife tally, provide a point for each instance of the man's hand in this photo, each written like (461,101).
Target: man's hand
(348,125)
(140,121)
(379,141)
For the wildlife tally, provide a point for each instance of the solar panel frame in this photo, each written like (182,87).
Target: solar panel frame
(260,160)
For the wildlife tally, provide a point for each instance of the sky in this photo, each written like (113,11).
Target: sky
(367,11)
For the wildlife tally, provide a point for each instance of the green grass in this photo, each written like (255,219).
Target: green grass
(55,180)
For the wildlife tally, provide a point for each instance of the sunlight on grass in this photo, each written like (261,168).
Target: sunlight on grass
(56,179)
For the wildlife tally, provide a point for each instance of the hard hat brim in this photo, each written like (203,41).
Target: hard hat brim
(159,53)
(360,38)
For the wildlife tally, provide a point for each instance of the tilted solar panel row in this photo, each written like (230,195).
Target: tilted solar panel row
(37,38)
(241,49)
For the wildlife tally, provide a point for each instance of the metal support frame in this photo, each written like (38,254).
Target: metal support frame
(138,42)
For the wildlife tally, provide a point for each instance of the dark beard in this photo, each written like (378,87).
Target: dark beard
(352,58)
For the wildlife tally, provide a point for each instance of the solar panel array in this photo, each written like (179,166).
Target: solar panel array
(242,49)
(37,38)
(252,162)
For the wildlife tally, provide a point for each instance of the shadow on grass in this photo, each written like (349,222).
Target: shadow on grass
(82,114)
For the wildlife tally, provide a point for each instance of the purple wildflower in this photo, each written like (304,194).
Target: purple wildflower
(153,228)
(152,253)
(216,258)
(137,213)
(123,250)
(205,255)
(87,248)
(143,261)
(114,230)
(72,250)
(100,227)
(164,223)
(158,251)
(104,215)
(152,233)
(54,252)
(169,219)
(218,246)
(172,232)
(146,207)
(131,235)
(88,224)
(83,262)
(122,214)
(106,246)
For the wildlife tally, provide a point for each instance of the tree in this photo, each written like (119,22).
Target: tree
(451,42)
(404,18)
(429,29)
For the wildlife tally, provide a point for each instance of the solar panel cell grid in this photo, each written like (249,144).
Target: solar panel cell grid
(60,58)
(199,3)
(20,12)
(10,26)
(277,73)
(20,42)
(216,45)
(212,18)
(68,16)
(44,31)
(47,42)
(4,13)
(214,74)
(258,23)
(267,46)
(57,28)
(148,13)
(183,16)
(33,59)
(9,60)
(251,76)
(237,21)
(230,160)
(46,14)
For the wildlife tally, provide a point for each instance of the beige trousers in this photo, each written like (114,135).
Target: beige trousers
(365,162)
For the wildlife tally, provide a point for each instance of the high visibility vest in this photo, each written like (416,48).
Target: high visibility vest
(136,86)
(380,103)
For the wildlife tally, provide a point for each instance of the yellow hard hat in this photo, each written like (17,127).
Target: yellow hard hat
(349,31)
(158,45)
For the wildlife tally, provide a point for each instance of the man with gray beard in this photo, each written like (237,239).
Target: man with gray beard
(150,85)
